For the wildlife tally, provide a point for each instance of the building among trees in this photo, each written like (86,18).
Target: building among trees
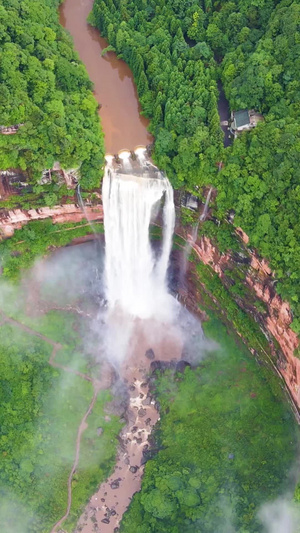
(243,120)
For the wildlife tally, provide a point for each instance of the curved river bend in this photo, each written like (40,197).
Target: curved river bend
(114,88)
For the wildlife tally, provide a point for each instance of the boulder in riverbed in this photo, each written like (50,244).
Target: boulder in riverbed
(147,401)
(150,354)
(181,366)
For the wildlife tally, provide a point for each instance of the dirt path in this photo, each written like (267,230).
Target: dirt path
(98,385)
(81,429)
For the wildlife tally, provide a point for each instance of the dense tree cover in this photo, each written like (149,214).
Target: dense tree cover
(263,185)
(177,49)
(225,437)
(40,411)
(261,178)
(265,76)
(44,86)
(176,84)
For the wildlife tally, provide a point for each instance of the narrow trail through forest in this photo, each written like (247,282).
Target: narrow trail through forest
(97,384)
(82,427)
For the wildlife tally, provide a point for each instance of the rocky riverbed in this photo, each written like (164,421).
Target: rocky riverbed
(150,342)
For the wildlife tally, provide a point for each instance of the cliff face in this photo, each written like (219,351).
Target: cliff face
(275,318)
(15,219)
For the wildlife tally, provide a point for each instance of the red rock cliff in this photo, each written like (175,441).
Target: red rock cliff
(15,219)
(278,318)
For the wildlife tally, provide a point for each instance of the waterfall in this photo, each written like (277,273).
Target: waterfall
(205,210)
(124,155)
(83,209)
(193,236)
(109,160)
(135,277)
(141,155)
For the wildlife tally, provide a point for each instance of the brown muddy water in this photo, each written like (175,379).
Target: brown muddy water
(114,87)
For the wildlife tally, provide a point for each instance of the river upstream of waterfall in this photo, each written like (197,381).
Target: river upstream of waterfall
(114,88)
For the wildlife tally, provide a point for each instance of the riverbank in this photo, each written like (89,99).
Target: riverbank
(48,105)
(114,88)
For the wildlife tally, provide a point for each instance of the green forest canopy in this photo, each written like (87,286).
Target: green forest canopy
(226,441)
(177,50)
(44,86)
(40,410)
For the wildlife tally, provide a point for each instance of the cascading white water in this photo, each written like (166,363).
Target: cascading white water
(194,234)
(141,155)
(135,278)
(124,155)
(84,210)
(206,205)
(109,159)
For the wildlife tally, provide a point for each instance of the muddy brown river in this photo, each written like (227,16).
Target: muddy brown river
(114,88)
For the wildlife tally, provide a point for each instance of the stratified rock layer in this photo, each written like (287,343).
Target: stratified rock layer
(10,220)
(278,318)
